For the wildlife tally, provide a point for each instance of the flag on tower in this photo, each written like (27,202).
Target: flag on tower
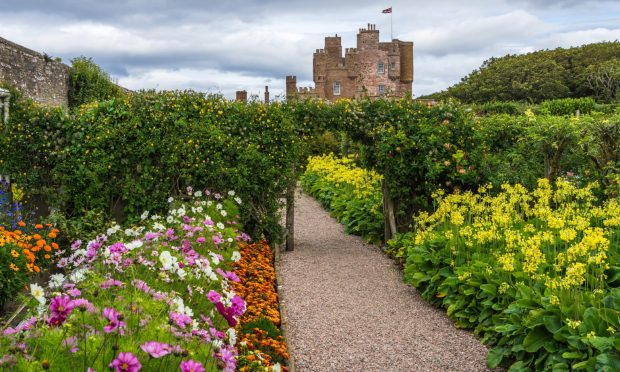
(386,11)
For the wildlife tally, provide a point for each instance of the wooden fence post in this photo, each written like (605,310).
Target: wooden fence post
(389,219)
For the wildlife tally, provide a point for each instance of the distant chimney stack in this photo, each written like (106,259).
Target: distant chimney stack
(242,96)
(266,94)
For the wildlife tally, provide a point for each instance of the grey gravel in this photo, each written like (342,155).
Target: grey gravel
(347,308)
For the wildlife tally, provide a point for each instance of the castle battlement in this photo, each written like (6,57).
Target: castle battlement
(371,69)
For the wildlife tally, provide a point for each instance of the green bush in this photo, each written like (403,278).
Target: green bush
(88,82)
(567,106)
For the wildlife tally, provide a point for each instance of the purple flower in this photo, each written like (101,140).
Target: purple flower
(111,283)
(126,362)
(113,321)
(181,320)
(71,344)
(201,240)
(74,292)
(60,308)
(227,356)
(213,296)
(229,275)
(237,304)
(76,244)
(216,239)
(208,222)
(81,303)
(118,247)
(149,236)
(141,285)
(191,366)
(156,349)
(227,313)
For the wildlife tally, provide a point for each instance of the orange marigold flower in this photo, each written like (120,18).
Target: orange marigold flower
(21,223)
(55,245)
(52,235)
(38,226)
(47,256)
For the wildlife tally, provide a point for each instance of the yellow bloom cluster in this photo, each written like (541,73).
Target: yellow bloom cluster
(555,234)
(343,171)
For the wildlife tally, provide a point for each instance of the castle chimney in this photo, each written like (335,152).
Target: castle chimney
(266,94)
(242,96)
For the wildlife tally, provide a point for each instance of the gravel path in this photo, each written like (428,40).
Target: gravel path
(348,309)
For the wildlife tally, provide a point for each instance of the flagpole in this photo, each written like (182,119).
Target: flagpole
(391,29)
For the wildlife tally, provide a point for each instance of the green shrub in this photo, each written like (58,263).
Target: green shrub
(88,82)
(567,106)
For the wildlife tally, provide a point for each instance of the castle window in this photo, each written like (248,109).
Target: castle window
(381,68)
(393,66)
(381,89)
(336,88)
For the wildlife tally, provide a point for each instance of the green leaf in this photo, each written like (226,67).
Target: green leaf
(519,366)
(553,323)
(489,288)
(536,339)
(495,356)
(601,343)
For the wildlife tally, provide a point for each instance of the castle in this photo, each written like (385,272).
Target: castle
(373,69)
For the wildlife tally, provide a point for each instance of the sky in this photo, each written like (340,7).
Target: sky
(225,46)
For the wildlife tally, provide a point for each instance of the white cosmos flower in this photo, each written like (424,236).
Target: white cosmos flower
(170,199)
(209,203)
(198,194)
(130,232)
(167,260)
(219,206)
(159,227)
(220,226)
(38,293)
(169,219)
(232,336)
(155,217)
(238,200)
(214,258)
(113,230)
(231,193)
(199,209)
(224,213)
(276,368)
(181,273)
(230,240)
(144,215)
(78,275)
(236,256)
(134,244)
(56,281)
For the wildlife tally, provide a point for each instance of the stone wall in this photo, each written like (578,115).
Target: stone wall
(34,74)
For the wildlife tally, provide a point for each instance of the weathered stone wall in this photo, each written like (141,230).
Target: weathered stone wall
(34,74)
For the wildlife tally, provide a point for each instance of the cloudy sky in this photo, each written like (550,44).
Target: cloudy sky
(224,46)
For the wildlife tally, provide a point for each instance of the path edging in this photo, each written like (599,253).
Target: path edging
(277,251)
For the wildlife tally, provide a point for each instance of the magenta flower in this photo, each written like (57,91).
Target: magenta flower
(151,236)
(60,308)
(191,366)
(141,285)
(229,275)
(227,356)
(125,362)
(201,240)
(114,322)
(216,239)
(81,303)
(71,344)
(111,283)
(213,296)
(181,320)
(156,349)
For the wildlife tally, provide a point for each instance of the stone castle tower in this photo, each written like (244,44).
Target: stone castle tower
(373,69)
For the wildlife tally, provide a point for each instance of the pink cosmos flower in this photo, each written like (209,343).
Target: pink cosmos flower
(60,308)
(82,303)
(71,344)
(213,296)
(216,239)
(227,356)
(114,322)
(201,240)
(125,362)
(156,349)
(191,366)
(229,275)
(181,320)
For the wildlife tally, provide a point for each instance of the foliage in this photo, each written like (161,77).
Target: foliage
(352,194)
(567,106)
(542,75)
(88,82)
(534,273)
(498,107)
(258,327)
(155,295)
(126,155)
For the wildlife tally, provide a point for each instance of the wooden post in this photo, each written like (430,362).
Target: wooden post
(290,215)
(389,219)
